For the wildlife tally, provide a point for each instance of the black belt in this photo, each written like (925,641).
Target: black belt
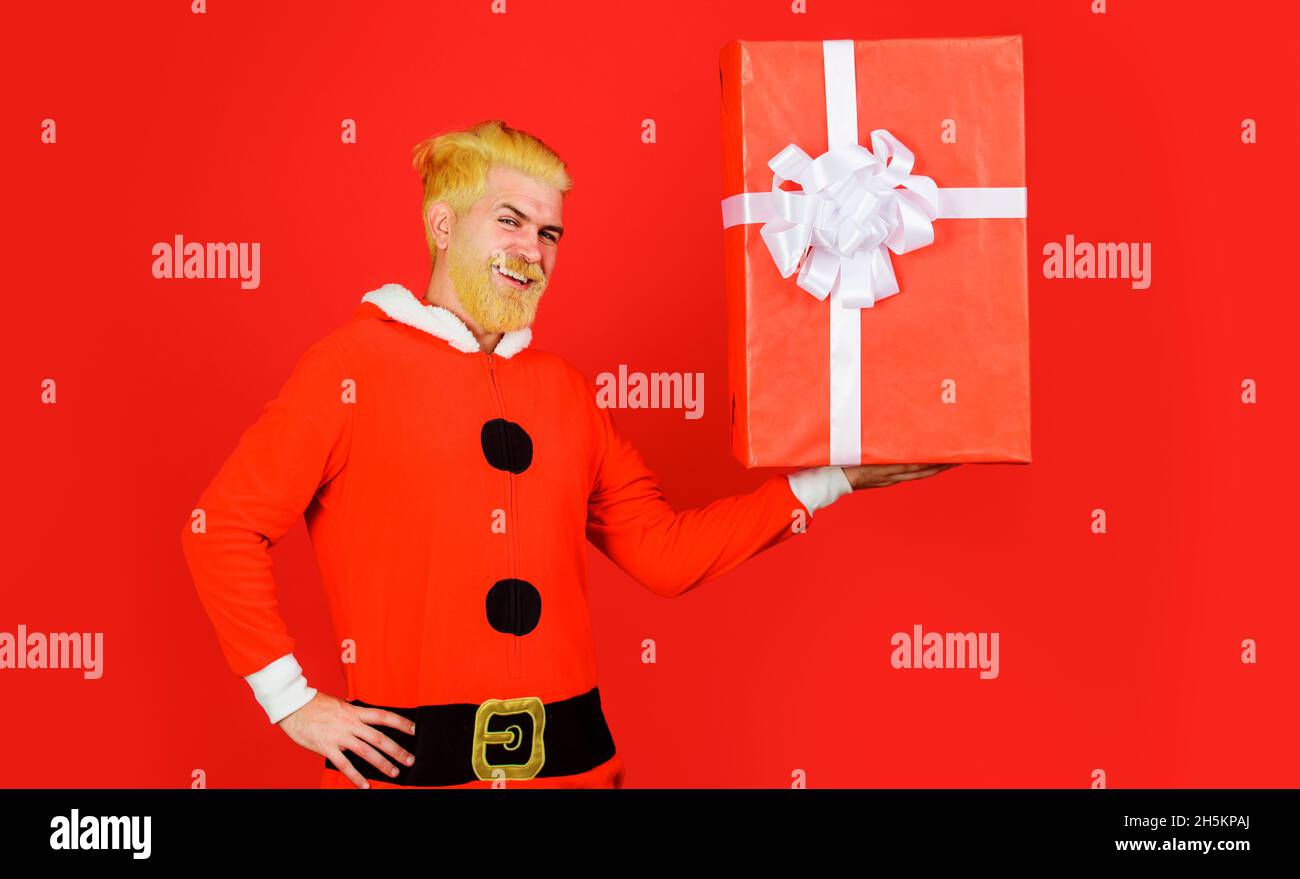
(463,742)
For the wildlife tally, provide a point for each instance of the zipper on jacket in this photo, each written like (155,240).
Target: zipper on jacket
(513,665)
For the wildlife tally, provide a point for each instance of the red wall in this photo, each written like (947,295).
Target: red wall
(1119,651)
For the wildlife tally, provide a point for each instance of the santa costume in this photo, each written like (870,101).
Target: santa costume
(448,494)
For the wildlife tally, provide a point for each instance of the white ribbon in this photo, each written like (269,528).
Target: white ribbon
(857,204)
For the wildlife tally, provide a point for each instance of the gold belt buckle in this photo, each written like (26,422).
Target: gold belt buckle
(483,737)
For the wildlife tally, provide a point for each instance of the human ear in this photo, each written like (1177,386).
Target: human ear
(442,220)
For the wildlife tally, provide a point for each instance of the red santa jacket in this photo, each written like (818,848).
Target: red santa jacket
(448,495)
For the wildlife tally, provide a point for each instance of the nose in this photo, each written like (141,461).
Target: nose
(529,253)
(527,249)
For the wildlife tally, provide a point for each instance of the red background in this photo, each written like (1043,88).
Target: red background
(1118,651)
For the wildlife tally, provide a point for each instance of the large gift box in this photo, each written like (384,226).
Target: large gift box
(874,237)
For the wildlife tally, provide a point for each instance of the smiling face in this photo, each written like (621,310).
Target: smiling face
(512,230)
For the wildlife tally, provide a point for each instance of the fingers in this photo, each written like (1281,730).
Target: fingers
(892,469)
(366,742)
(886,472)
(344,765)
(384,743)
(381,717)
(929,470)
(359,747)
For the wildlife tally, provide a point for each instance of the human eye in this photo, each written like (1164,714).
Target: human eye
(511,219)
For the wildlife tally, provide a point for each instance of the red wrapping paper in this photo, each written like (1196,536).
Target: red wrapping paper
(945,361)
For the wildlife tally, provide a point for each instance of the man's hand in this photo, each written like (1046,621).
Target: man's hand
(880,475)
(328,726)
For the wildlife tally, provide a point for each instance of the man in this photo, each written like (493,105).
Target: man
(450,475)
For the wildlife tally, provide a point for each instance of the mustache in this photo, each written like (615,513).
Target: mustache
(519,267)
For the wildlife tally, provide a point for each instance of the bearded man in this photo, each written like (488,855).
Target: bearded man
(450,475)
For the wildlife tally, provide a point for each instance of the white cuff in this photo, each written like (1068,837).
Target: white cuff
(819,487)
(280,688)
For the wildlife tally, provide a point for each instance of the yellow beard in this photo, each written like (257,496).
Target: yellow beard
(493,306)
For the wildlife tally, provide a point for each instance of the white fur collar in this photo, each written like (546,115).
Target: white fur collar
(401,305)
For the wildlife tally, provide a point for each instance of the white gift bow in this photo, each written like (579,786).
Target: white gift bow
(850,211)
(856,206)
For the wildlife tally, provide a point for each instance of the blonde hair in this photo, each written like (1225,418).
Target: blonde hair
(454,166)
